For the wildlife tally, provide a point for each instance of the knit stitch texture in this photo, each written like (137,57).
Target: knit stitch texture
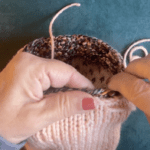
(98,129)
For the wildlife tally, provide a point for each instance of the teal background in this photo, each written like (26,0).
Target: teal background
(117,22)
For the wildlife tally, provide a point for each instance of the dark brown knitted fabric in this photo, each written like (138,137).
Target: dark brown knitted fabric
(92,57)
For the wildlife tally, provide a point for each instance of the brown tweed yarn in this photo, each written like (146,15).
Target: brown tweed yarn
(89,55)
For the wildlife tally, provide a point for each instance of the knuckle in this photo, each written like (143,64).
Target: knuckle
(64,105)
(137,88)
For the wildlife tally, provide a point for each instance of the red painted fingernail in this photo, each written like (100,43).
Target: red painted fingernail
(88,103)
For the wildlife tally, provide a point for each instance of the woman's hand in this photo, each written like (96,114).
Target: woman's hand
(23,108)
(131,85)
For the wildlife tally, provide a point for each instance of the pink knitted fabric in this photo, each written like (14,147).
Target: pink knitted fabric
(96,130)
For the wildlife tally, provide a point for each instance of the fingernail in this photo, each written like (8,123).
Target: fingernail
(88,103)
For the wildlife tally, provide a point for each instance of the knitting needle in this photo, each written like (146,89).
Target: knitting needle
(105,92)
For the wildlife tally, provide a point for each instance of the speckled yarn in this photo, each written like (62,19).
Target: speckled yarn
(98,129)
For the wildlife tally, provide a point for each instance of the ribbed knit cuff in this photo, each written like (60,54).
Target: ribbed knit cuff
(4,144)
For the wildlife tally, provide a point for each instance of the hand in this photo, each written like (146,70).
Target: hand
(23,108)
(131,85)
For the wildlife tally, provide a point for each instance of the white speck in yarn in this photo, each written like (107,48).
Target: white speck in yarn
(51,24)
(133,49)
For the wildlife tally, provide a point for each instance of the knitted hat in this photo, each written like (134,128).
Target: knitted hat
(98,129)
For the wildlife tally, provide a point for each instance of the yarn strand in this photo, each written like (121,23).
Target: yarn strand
(134,48)
(51,24)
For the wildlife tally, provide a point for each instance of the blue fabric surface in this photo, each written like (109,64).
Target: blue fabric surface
(5,145)
(117,22)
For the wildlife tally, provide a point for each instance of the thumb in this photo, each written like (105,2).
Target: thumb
(35,116)
(57,106)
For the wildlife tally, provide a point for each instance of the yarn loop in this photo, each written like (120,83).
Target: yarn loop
(134,48)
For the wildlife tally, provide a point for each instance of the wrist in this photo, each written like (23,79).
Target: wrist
(5,143)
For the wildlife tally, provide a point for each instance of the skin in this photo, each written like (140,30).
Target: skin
(131,85)
(23,108)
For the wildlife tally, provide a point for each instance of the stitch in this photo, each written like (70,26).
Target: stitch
(102,79)
(91,71)
(93,80)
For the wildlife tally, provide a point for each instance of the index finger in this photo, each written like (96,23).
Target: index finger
(140,67)
(62,74)
(132,88)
